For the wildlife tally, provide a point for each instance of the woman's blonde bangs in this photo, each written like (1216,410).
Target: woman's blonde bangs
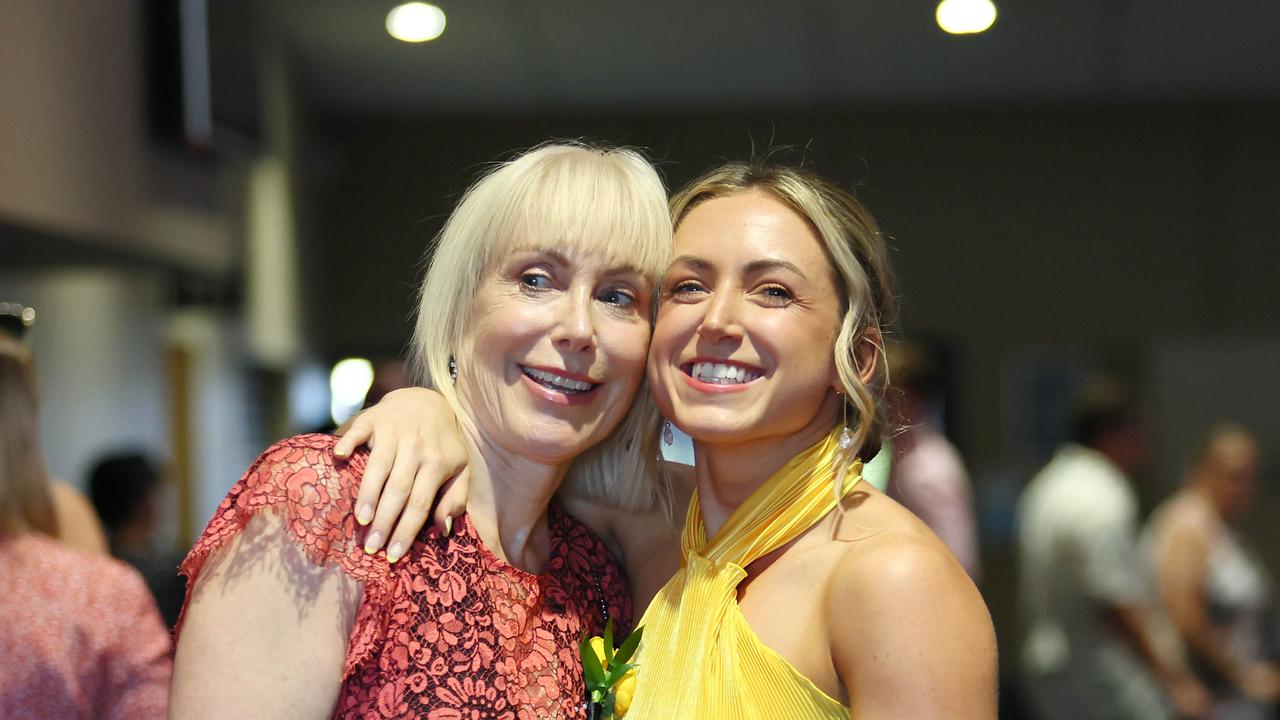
(602,202)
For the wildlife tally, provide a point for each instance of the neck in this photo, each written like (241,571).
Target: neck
(726,473)
(508,500)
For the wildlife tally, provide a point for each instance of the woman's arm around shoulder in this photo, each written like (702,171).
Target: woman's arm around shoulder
(272,603)
(910,634)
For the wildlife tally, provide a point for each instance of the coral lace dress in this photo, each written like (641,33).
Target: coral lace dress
(449,631)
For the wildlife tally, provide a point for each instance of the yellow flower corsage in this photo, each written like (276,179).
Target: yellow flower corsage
(610,679)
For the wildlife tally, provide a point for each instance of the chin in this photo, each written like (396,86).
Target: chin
(555,444)
(719,426)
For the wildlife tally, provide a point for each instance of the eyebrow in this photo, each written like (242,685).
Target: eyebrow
(752,268)
(562,259)
(693,261)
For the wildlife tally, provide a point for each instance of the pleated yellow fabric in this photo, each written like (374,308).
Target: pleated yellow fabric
(699,658)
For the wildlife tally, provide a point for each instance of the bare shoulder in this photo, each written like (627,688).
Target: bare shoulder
(909,631)
(890,560)
(78,523)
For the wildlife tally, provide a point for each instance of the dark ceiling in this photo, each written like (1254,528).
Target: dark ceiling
(518,56)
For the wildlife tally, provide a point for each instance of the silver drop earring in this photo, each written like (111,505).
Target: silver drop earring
(453,369)
(846,438)
(668,437)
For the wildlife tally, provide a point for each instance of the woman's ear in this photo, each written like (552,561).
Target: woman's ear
(867,354)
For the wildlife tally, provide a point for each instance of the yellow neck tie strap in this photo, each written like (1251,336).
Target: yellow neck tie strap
(690,660)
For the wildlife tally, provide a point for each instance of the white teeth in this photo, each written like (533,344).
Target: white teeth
(560,382)
(722,374)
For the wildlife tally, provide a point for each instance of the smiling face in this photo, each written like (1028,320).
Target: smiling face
(554,351)
(743,344)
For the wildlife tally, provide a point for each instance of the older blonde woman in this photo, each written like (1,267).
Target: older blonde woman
(534,324)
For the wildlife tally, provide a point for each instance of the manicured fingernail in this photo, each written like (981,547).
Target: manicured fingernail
(395,551)
(340,452)
(365,514)
(448,525)
(373,542)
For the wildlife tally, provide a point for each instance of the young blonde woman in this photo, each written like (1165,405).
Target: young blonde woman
(534,324)
(798,591)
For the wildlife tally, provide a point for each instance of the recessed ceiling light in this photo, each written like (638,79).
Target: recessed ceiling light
(415,22)
(965,17)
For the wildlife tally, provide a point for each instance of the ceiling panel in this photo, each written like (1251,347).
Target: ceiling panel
(556,55)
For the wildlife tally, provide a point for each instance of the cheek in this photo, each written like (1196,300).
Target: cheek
(499,327)
(672,329)
(804,345)
(626,347)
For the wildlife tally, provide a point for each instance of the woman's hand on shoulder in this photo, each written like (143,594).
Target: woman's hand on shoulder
(417,461)
(910,634)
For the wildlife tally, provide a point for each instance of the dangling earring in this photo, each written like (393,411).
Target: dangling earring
(843,458)
(668,437)
(453,370)
(846,438)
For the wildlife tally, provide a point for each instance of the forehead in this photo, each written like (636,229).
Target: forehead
(750,226)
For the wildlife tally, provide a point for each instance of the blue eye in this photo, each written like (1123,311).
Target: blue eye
(536,281)
(616,297)
(687,287)
(777,295)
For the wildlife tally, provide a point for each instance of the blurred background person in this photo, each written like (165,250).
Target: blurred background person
(927,475)
(1214,590)
(77,524)
(126,492)
(1089,651)
(79,634)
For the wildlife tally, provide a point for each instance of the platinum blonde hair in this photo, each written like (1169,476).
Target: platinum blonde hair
(556,195)
(859,261)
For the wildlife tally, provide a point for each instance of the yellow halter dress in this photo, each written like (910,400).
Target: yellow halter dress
(699,658)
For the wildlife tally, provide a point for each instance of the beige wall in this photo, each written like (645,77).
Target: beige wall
(73,157)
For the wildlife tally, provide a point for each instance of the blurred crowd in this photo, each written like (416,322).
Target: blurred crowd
(1120,618)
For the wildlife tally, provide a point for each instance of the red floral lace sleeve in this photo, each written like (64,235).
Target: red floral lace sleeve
(300,481)
(451,631)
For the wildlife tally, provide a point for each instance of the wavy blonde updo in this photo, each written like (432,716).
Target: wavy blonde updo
(559,195)
(859,260)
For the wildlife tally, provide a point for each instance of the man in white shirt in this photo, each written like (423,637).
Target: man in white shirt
(1089,651)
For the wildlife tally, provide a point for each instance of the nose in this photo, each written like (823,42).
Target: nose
(721,320)
(574,330)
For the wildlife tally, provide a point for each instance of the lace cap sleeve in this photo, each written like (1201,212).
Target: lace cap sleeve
(300,482)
